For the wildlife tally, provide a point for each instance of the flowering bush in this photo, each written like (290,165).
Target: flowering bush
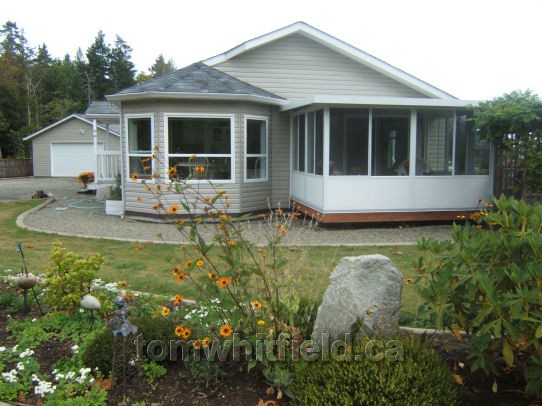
(85,178)
(487,282)
(243,288)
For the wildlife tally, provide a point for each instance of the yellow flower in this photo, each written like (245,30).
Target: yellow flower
(226,330)
(232,243)
(261,322)
(205,342)
(138,247)
(122,284)
(196,344)
(165,311)
(146,168)
(409,281)
(183,246)
(134,176)
(188,263)
(181,276)
(186,333)
(223,282)
(220,192)
(255,304)
(145,160)
(279,211)
(178,299)
(212,276)
(179,330)
(174,208)
(172,172)
(199,263)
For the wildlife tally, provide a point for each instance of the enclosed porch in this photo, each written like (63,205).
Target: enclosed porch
(388,163)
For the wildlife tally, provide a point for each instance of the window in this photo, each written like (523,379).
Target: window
(308,148)
(255,149)
(349,142)
(139,147)
(434,143)
(200,147)
(471,151)
(391,129)
(299,144)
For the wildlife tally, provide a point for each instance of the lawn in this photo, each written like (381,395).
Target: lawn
(147,267)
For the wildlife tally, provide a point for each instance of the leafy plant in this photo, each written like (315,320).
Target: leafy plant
(152,372)
(488,282)
(69,277)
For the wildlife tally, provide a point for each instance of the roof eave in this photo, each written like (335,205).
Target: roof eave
(62,120)
(120,97)
(377,102)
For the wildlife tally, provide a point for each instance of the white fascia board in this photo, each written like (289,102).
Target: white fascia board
(196,96)
(339,46)
(377,101)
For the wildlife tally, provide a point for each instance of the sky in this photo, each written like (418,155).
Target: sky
(472,49)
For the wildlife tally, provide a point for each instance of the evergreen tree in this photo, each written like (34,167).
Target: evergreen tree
(121,67)
(98,68)
(161,67)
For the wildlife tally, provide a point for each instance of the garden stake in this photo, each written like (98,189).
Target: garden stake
(26,281)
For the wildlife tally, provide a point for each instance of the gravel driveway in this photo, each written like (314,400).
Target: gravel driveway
(76,214)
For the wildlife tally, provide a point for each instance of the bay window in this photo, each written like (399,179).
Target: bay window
(255,149)
(140,162)
(200,147)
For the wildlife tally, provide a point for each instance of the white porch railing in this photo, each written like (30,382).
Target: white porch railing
(107,166)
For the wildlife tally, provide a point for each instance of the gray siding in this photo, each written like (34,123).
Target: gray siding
(245,197)
(296,67)
(66,132)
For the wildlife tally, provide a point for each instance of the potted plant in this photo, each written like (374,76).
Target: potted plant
(113,205)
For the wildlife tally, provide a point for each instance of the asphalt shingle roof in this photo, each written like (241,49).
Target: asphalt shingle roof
(199,78)
(102,107)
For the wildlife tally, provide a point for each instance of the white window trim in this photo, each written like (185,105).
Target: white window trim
(167,155)
(266,155)
(128,116)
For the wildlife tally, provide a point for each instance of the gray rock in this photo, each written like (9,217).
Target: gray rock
(365,288)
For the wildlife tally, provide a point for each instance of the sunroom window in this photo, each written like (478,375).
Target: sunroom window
(256,149)
(139,147)
(434,142)
(308,142)
(200,147)
(471,151)
(349,142)
(390,138)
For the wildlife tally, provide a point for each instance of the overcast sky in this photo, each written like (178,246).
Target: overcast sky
(473,49)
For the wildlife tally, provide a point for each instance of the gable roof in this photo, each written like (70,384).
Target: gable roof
(339,46)
(198,80)
(101,108)
(67,118)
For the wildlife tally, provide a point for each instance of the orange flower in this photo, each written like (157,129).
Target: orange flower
(122,284)
(172,172)
(177,269)
(145,160)
(186,333)
(232,243)
(188,263)
(205,342)
(134,176)
(200,169)
(179,330)
(138,247)
(165,311)
(155,207)
(181,276)
(223,282)
(227,196)
(180,221)
(139,199)
(255,304)
(192,156)
(261,215)
(207,199)
(196,344)
(147,168)
(178,299)
(226,330)
(183,247)
(174,208)
(279,211)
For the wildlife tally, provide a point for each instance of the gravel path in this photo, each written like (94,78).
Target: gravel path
(75,214)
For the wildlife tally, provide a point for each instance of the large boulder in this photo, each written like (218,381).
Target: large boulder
(364,289)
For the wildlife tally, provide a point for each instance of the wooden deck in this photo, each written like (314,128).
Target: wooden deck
(380,217)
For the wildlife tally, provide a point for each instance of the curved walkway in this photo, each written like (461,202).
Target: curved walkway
(73,214)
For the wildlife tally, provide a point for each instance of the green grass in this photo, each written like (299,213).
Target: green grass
(149,269)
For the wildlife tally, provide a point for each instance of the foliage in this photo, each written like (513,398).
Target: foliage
(69,277)
(152,372)
(421,378)
(242,289)
(487,282)
(514,123)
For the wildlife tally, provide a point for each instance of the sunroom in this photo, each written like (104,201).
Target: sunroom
(388,162)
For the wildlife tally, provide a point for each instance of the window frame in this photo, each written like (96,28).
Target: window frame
(231,155)
(127,118)
(247,155)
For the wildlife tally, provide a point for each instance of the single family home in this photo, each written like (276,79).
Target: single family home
(297,116)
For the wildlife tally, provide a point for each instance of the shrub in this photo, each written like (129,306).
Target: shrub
(421,378)
(487,282)
(69,277)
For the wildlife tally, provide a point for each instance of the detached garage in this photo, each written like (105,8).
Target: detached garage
(66,148)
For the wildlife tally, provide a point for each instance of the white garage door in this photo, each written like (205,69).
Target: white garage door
(69,159)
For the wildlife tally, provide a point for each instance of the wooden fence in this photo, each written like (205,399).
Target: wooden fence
(14,168)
